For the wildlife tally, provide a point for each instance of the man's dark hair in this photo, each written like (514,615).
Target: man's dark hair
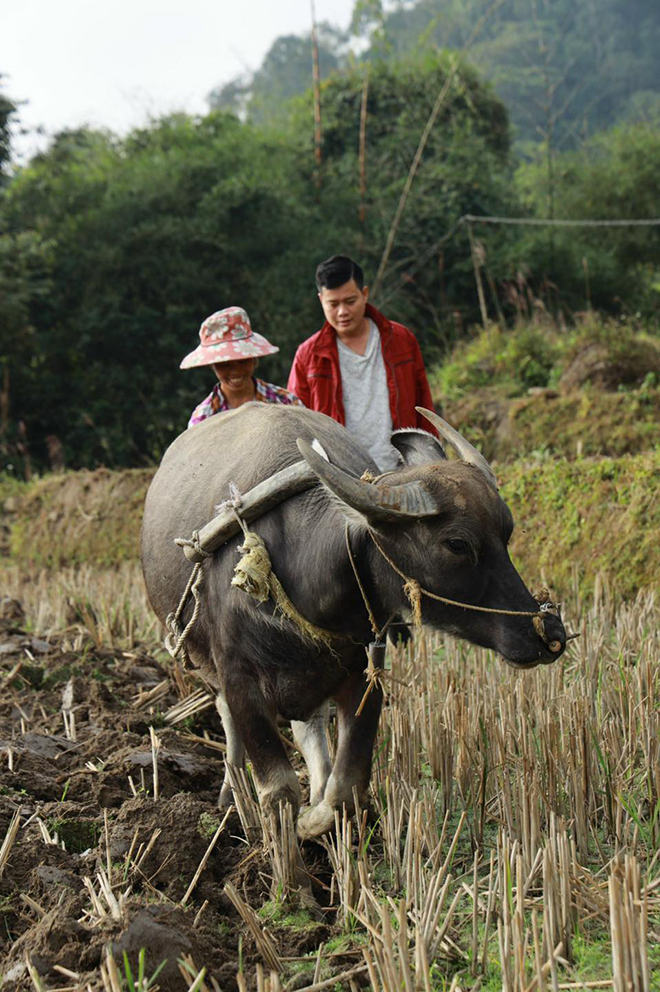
(336,271)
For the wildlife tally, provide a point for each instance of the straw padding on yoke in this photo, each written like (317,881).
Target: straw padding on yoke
(254,575)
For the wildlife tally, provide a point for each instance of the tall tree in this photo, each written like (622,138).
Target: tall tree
(7,114)
(286,71)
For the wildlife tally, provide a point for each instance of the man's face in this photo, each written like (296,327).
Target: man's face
(344,307)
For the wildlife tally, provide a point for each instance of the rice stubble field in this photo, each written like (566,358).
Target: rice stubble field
(512,840)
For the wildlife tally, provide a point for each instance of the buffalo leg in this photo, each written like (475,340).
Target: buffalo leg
(235,756)
(275,779)
(352,767)
(311,738)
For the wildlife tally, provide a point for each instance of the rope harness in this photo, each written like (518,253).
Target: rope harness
(175,638)
(253,574)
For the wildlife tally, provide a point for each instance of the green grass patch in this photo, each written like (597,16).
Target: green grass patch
(207,825)
(78,835)
(279,913)
(511,361)
(576,519)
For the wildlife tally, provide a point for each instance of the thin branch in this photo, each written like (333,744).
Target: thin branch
(442,95)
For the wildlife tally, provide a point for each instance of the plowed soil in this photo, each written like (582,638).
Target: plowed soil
(76,764)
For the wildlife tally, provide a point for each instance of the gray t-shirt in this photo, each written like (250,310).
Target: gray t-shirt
(366,399)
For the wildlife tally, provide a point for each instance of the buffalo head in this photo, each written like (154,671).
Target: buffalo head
(444,524)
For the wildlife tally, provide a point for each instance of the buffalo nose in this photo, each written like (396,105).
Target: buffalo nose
(552,632)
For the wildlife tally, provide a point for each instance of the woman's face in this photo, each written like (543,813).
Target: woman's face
(235,377)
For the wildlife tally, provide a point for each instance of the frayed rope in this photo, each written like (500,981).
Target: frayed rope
(254,575)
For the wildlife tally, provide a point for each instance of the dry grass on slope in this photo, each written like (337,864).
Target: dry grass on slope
(75,517)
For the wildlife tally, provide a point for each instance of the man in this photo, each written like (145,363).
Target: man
(361,369)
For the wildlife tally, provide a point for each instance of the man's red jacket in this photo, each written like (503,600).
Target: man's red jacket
(315,375)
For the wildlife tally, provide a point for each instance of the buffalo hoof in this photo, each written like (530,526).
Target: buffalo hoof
(314,821)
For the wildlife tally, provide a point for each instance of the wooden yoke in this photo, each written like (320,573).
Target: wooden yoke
(257,501)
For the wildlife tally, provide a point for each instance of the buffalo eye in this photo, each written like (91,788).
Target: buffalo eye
(458,547)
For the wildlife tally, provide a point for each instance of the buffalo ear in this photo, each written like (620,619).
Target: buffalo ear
(417,447)
(377,502)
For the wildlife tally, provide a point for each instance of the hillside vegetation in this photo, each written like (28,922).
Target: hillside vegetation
(542,390)
(570,420)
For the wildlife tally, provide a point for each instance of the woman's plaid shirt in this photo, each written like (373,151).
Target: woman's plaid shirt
(265,392)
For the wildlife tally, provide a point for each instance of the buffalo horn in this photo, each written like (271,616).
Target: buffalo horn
(462,447)
(376,502)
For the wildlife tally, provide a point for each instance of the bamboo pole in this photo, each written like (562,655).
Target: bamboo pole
(478,280)
(363,153)
(316,77)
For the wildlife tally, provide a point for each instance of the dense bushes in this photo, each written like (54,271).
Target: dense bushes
(612,177)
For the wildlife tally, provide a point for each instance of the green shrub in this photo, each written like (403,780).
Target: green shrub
(512,361)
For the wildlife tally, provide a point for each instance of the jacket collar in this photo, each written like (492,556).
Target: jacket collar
(327,339)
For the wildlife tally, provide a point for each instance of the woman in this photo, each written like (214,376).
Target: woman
(230,346)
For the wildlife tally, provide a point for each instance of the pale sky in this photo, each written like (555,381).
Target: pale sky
(115,63)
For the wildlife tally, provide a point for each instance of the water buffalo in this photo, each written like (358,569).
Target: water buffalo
(439,521)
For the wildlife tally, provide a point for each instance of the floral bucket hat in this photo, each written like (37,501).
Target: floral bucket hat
(226,336)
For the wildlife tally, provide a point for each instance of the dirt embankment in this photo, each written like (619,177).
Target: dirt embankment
(573,425)
(74,517)
(576,519)
(591,389)
(573,519)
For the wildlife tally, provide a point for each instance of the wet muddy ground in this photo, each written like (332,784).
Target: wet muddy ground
(76,764)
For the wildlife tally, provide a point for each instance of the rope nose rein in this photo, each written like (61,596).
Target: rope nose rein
(414,592)
(375,671)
